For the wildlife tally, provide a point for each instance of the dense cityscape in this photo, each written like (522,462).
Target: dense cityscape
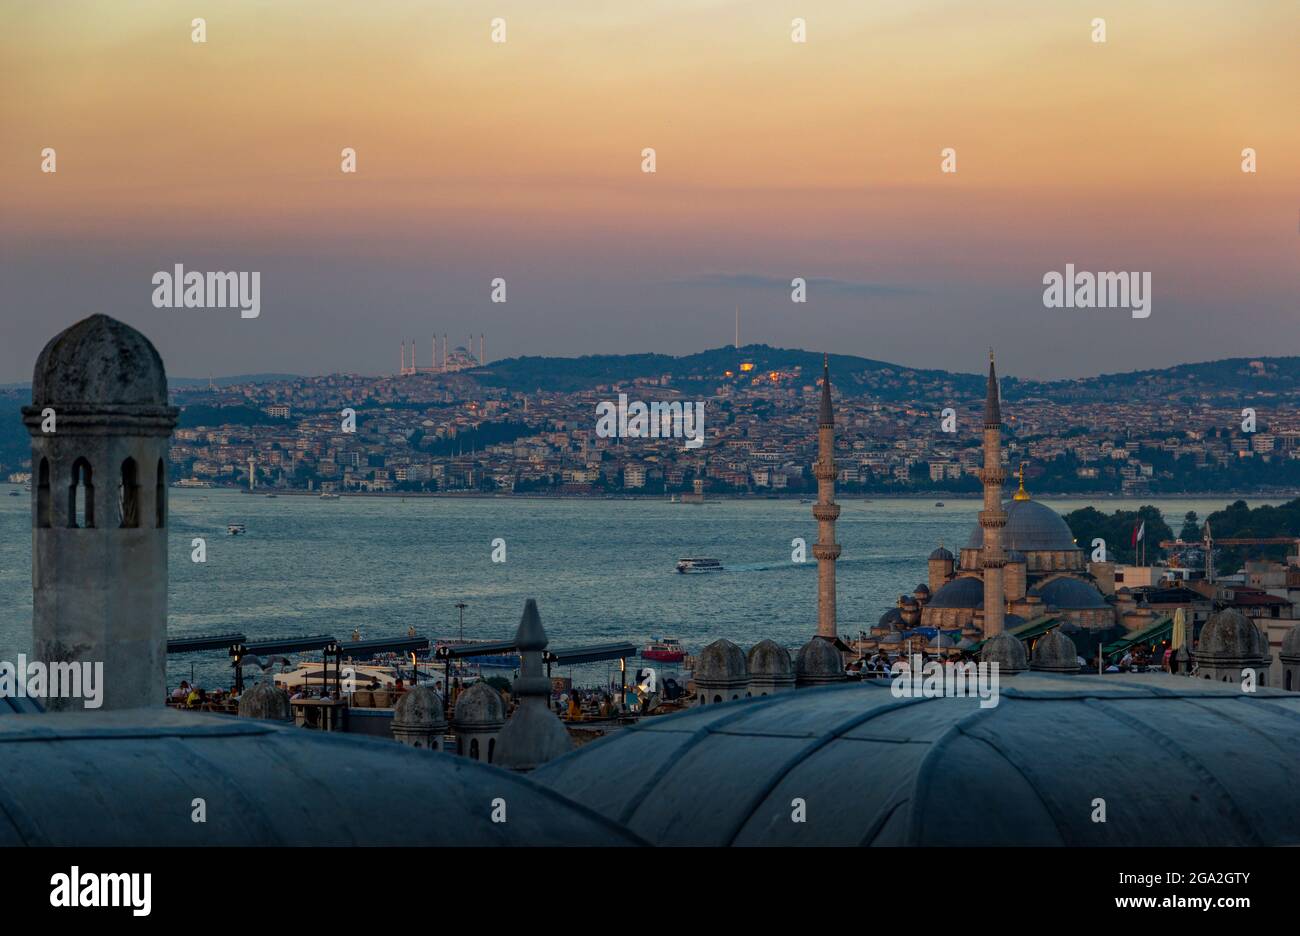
(461,428)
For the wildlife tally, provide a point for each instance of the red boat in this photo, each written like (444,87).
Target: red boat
(667,650)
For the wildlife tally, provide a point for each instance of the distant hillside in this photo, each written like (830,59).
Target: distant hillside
(1238,378)
(851,374)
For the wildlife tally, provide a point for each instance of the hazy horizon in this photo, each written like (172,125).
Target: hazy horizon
(775,160)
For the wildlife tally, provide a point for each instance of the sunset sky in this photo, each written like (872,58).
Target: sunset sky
(775,160)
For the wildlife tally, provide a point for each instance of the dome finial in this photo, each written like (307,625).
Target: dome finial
(1022,494)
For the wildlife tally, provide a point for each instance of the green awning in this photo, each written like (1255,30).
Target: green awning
(1162,628)
(1026,631)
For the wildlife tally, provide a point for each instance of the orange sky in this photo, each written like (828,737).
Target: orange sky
(774,158)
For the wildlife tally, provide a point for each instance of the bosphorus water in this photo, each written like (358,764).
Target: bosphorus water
(601,570)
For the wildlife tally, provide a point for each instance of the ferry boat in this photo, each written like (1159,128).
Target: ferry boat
(696,565)
(328,496)
(235,529)
(665,650)
(938,503)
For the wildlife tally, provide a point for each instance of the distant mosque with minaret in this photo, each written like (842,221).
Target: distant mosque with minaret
(1020,563)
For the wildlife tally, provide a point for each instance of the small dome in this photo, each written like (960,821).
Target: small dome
(479,706)
(720,661)
(97,361)
(1054,652)
(265,700)
(1070,594)
(419,707)
(1229,633)
(908,601)
(769,658)
(966,591)
(1006,651)
(941,555)
(1291,643)
(818,659)
(922,589)
(891,618)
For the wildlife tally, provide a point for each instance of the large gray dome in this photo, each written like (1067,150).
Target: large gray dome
(91,779)
(98,361)
(878,770)
(1231,635)
(1031,526)
(479,706)
(720,661)
(966,591)
(1070,594)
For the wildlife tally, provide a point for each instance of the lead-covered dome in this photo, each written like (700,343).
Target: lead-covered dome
(1031,527)
(99,361)
(1070,594)
(479,706)
(720,661)
(769,658)
(1230,634)
(419,707)
(966,591)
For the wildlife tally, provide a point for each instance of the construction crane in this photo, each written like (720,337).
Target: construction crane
(1208,542)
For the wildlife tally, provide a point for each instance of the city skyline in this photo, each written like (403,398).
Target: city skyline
(479,160)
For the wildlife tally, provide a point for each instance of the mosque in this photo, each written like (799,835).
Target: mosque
(1041,572)
(778,752)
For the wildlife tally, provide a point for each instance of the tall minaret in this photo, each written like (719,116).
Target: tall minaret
(402,368)
(993,518)
(826,550)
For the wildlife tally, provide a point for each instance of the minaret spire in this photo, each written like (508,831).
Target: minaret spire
(993,518)
(826,511)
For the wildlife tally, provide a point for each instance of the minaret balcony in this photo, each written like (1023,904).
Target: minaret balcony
(826,551)
(826,511)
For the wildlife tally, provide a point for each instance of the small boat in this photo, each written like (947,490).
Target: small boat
(695,565)
(271,495)
(805,501)
(13,493)
(328,496)
(235,529)
(938,503)
(665,650)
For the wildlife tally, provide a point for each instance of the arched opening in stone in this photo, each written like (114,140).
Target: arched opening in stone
(717,699)
(1286,677)
(473,749)
(160,496)
(81,496)
(43,502)
(492,748)
(128,495)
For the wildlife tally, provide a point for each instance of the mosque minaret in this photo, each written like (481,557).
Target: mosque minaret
(993,518)
(826,550)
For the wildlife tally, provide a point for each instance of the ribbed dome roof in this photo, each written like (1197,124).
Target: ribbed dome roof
(1229,633)
(265,700)
(1006,651)
(1070,594)
(420,707)
(888,771)
(966,591)
(99,360)
(1054,652)
(769,658)
(941,555)
(721,660)
(818,659)
(1291,642)
(1031,526)
(479,706)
